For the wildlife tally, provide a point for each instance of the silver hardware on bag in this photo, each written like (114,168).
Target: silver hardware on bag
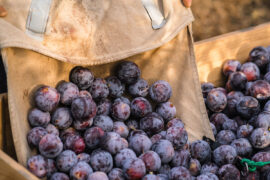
(37,18)
(158,20)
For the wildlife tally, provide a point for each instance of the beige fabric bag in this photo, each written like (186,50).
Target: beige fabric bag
(96,32)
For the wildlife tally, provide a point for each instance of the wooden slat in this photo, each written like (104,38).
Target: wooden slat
(11,170)
(213,52)
(6,139)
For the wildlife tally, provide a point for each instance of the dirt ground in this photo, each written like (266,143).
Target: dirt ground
(215,17)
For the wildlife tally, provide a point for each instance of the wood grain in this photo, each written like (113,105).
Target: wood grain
(11,170)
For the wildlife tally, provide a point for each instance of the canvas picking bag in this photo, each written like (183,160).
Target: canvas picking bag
(42,40)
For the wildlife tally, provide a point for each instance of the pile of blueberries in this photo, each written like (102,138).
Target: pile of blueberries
(240,116)
(122,128)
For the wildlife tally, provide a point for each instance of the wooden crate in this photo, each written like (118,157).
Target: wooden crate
(210,55)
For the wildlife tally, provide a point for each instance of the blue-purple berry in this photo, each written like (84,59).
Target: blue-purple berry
(62,118)
(37,166)
(38,118)
(116,87)
(104,122)
(139,89)
(34,136)
(164,149)
(166,110)
(80,171)
(160,91)
(82,77)
(46,98)
(140,107)
(50,146)
(120,110)
(152,123)
(66,160)
(128,72)
(101,161)
(68,91)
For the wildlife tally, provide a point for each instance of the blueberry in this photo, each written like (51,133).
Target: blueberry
(225,154)
(82,125)
(247,107)
(151,160)
(152,123)
(116,88)
(225,137)
(122,156)
(37,165)
(104,107)
(166,110)
(260,89)
(260,138)
(229,171)
(242,147)
(176,122)
(164,149)
(120,128)
(98,176)
(231,66)
(260,56)
(206,88)
(128,72)
(216,100)
(80,171)
(120,110)
(84,157)
(116,174)
(244,131)
(134,168)
(194,167)
(200,150)
(178,136)
(101,161)
(251,71)
(207,176)
(93,137)
(51,129)
(68,91)
(140,107)
(104,122)
(34,136)
(47,98)
(181,158)
(113,143)
(82,77)
(50,167)
(209,168)
(140,143)
(180,172)
(160,91)
(139,89)
(59,176)
(62,118)
(66,160)
(50,146)
(83,108)
(37,118)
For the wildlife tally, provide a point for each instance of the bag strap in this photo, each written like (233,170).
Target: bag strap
(158,20)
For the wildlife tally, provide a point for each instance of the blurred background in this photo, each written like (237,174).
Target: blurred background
(215,17)
(212,18)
